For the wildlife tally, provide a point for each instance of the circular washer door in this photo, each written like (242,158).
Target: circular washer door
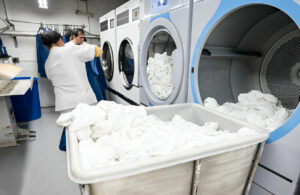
(161,63)
(126,63)
(108,61)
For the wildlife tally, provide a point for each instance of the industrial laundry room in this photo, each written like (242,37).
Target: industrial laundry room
(149,97)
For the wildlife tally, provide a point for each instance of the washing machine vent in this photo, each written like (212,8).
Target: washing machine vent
(283,72)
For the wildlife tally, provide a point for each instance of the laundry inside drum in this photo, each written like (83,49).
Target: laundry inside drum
(252,72)
(161,55)
(256,108)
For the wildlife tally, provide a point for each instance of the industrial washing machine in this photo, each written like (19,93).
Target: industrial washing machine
(109,56)
(165,28)
(127,33)
(238,46)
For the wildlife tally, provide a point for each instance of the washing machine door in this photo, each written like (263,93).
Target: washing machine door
(254,45)
(262,54)
(126,63)
(161,62)
(108,61)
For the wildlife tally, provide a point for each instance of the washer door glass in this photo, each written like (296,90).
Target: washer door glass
(160,58)
(108,61)
(162,63)
(126,63)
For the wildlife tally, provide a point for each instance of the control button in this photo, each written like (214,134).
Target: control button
(162,2)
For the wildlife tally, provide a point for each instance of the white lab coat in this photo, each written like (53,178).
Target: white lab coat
(70,44)
(65,68)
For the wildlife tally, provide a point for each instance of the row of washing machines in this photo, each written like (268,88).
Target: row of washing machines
(220,48)
(126,34)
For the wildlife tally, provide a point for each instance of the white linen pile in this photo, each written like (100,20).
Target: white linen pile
(109,133)
(255,107)
(159,71)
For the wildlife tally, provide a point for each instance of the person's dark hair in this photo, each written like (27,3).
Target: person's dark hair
(76,31)
(50,37)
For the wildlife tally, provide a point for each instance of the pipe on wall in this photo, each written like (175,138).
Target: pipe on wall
(33,34)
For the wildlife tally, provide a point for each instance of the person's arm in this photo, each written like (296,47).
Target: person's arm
(98,50)
(85,53)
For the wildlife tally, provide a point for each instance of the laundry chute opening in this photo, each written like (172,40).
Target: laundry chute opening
(108,61)
(255,47)
(126,63)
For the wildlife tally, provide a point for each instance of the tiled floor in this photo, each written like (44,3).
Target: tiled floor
(37,167)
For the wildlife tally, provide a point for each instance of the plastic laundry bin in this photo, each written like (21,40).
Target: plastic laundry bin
(224,168)
(27,107)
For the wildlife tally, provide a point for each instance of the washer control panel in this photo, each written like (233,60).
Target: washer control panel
(159,6)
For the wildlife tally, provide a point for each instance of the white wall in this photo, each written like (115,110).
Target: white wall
(59,12)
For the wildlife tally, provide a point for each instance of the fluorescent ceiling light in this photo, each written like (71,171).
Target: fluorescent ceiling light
(43,4)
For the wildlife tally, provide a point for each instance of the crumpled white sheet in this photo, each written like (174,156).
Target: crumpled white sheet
(159,71)
(255,107)
(110,133)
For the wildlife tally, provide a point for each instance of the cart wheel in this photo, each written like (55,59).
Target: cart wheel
(84,189)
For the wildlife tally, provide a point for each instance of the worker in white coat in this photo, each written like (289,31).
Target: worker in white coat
(65,68)
(93,68)
(77,37)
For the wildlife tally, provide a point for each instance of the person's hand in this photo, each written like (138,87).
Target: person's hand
(98,51)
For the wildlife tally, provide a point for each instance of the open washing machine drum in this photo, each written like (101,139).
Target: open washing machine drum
(256,47)
(126,63)
(161,64)
(280,72)
(108,61)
